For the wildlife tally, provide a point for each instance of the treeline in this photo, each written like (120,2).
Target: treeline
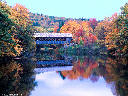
(17,28)
(16,31)
(45,23)
(112,33)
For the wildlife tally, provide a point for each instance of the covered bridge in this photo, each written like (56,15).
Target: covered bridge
(53,38)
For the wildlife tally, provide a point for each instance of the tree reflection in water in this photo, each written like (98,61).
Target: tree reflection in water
(117,72)
(114,71)
(83,67)
(16,77)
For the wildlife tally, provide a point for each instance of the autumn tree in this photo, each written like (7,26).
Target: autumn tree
(81,31)
(20,15)
(100,30)
(122,25)
(16,30)
(93,23)
(8,45)
(116,32)
(24,29)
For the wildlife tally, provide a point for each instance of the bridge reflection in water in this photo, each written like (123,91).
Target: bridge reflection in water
(56,68)
(53,65)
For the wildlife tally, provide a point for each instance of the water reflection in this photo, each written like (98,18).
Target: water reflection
(83,67)
(112,71)
(51,84)
(52,62)
(117,72)
(16,77)
(62,75)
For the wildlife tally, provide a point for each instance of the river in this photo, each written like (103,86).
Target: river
(51,74)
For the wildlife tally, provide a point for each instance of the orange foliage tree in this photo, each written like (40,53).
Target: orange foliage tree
(116,28)
(111,31)
(81,31)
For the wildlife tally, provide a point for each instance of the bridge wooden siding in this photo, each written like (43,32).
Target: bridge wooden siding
(53,38)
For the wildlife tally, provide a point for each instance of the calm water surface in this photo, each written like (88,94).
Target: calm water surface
(63,75)
(51,84)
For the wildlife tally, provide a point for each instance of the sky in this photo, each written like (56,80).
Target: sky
(98,9)
(51,84)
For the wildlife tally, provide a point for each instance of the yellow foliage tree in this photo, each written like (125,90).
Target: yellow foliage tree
(20,15)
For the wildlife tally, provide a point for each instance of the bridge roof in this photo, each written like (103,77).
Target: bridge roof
(52,35)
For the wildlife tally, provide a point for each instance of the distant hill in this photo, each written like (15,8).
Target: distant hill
(45,21)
